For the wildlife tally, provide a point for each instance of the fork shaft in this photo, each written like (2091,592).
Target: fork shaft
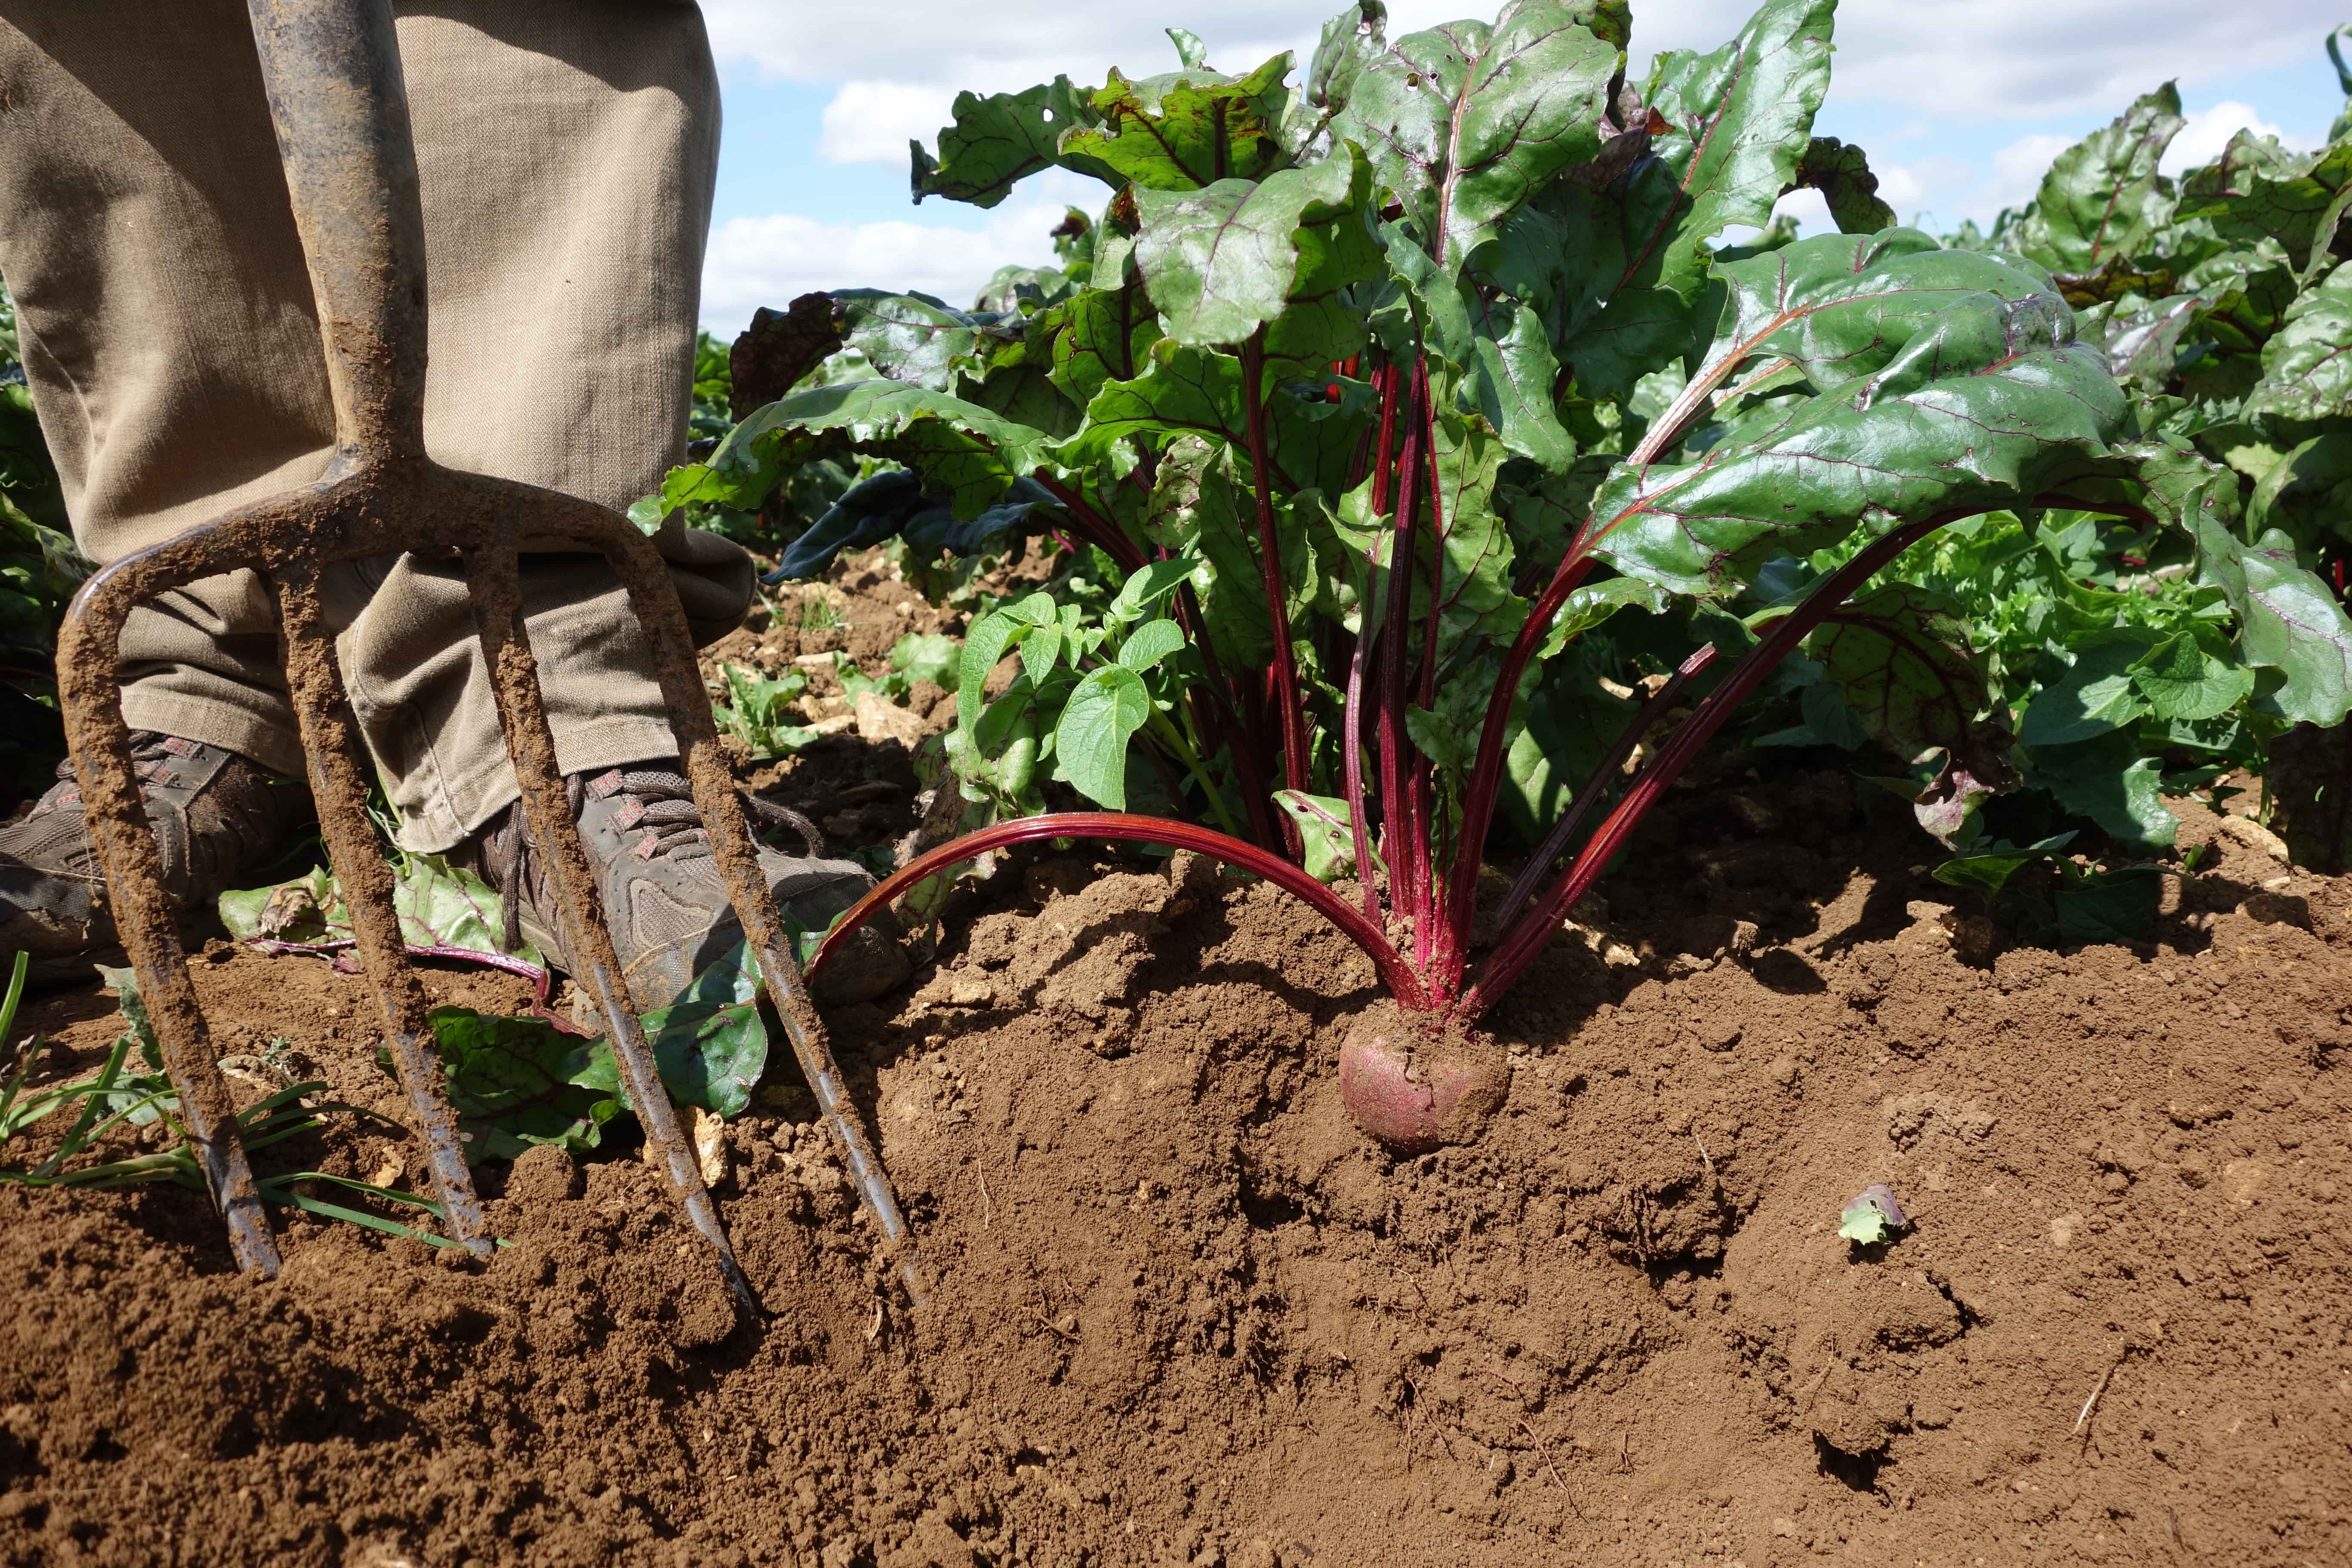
(341,108)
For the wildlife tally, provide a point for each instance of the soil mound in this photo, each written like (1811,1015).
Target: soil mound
(1181,1310)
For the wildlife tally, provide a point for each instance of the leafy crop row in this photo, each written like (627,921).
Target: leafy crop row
(1395,414)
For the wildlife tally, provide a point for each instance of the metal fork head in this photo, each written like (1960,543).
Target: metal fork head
(332,71)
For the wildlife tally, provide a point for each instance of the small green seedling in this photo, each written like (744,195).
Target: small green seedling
(119,1094)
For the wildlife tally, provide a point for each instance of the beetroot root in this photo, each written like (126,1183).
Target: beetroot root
(1416,1087)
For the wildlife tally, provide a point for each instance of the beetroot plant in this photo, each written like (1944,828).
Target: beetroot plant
(1372,406)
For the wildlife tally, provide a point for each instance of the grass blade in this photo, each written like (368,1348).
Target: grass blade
(93,1100)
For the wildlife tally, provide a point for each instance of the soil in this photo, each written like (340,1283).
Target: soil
(858,782)
(1178,1309)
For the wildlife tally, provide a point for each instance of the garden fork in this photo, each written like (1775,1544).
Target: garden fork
(336,95)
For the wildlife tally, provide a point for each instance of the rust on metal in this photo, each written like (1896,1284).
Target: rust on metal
(332,71)
(338,769)
(632,556)
(99,742)
(495,583)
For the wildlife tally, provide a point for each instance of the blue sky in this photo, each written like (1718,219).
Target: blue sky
(1958,102)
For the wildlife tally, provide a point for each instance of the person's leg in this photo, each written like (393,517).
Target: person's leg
(166,322)
(566,151)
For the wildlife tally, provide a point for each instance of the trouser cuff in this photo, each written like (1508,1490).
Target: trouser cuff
(461,807)
(275,746)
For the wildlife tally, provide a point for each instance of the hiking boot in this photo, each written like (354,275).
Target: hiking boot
(662,893)
(218,819)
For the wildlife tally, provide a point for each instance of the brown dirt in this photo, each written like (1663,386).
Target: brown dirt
(858,789)
(1182,1311)
(859,783)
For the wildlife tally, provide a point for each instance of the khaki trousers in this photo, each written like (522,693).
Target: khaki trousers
(566,151)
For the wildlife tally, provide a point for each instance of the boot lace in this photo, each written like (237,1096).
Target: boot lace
(664,802)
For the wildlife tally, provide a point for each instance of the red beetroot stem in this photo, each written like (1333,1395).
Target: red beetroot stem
(1487,770)
(1401,982)
(1351,763)
(1403,852)
(1351,728)
(1292,709)
(1390,374)
(1434,945)
(1523,942)
(1597,785)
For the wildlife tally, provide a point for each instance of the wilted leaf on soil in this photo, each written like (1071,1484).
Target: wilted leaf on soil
(708,1045)
(1872,1217)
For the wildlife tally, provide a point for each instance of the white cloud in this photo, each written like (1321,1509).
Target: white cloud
(1027,41)
(2209,131)
(872,122)
(1978,59)
(772,260)
(1923,186)
(1810,209)
(1955,60)
(2018,168)
(1950,62)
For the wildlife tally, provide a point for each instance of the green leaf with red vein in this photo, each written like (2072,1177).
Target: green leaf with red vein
(966,452)
(916,340)
(1185,130)
(2288,620)
(2101,196)
(1105,336)
(2258,190)
(1001,139)
(2307,366)
(1900,656)
(1941,381)
(1463,122)
(1737,124)
(1220,262)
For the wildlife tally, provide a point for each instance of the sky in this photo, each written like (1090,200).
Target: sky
(1959,103)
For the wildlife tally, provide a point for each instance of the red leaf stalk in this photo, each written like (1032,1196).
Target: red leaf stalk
(1390,374)
(1487,770)
(1403,852)
(1534,930)
(1293,714)
(1524,940)
(1401,982)
(1434,945)
(1352,761)
(1556,841)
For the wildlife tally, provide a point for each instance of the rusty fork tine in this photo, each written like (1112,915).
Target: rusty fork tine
(100,741)
(495,581)
(640,568)
(338,775)
(333,70)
